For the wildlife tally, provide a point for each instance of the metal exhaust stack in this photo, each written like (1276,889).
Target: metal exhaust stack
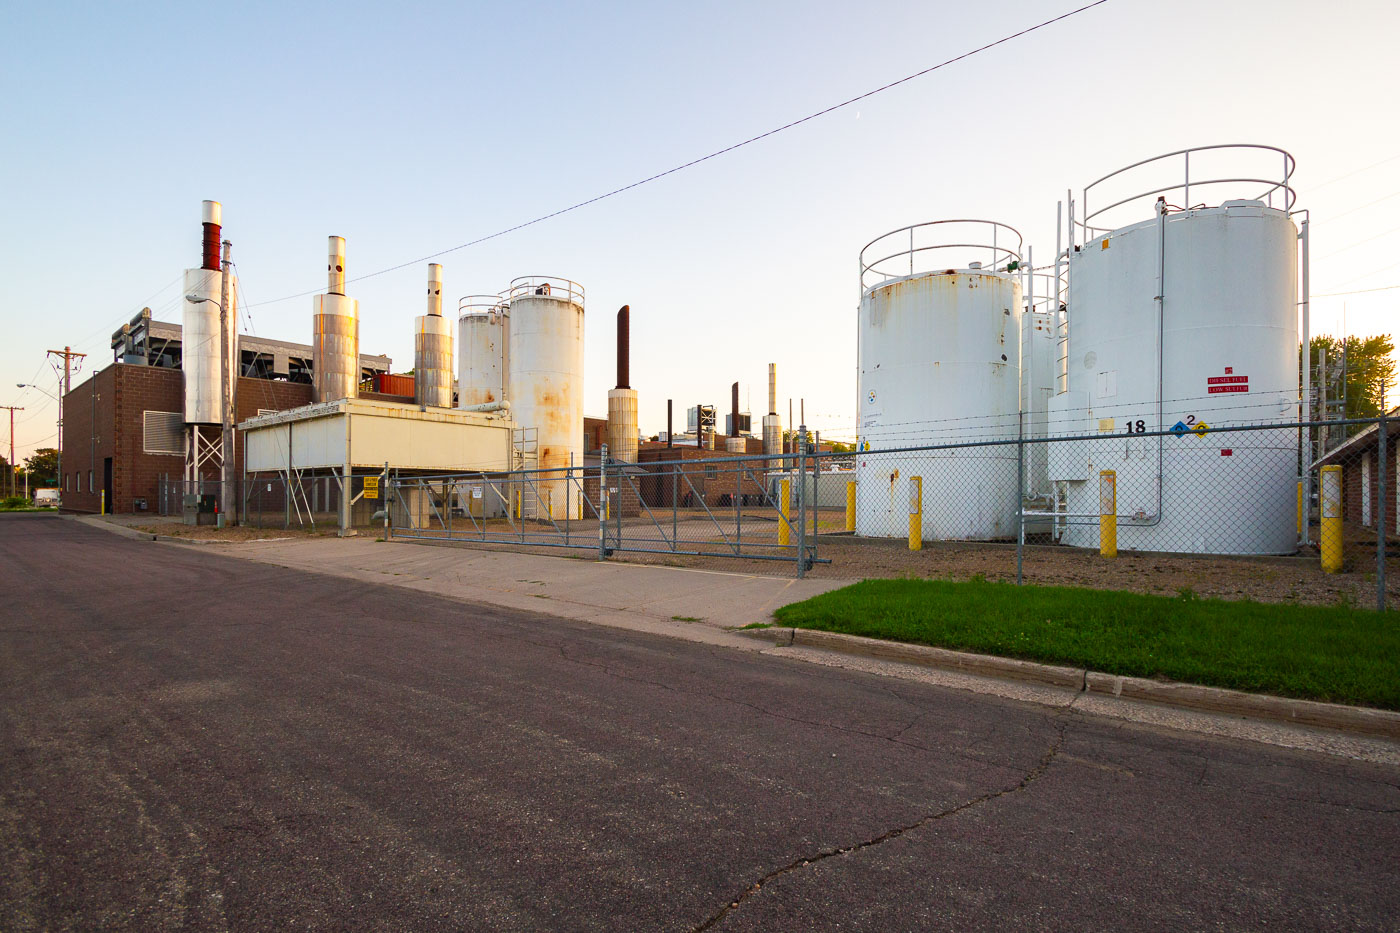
(772,423)
(335,333)
(432,349)
(213,217)
(734,444)
(622,400)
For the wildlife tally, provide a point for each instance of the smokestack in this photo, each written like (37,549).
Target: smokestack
(335,266)
(213,216)
(624,346)
(772,388)
(670,431)
(734,410)
(435,289)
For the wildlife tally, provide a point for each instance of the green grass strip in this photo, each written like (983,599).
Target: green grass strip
(1335,654)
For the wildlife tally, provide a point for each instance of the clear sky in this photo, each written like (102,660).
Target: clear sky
(411,128)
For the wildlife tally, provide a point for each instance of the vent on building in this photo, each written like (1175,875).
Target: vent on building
(163,433)
(266,411)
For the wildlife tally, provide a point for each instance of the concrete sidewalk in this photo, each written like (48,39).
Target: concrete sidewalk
(700,605)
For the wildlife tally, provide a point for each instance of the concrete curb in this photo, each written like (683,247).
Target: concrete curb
(127,532)
(1360,719)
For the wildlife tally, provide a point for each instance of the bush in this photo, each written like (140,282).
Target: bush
(15,502)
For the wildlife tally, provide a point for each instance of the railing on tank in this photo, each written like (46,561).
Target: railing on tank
(1277,187)
(1001,243)
(480,304)
(551,285)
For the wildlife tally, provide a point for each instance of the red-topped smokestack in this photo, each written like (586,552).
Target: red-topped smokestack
(624,346)
(213,228)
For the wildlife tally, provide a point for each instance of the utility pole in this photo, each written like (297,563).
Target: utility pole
(69,358)
(12,409)
(225,395)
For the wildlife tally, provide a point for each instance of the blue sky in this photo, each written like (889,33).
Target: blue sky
(412,128)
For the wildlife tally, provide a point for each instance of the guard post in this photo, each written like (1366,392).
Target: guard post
(916,513)
(784,511)
(851,505)
(1330,507)
(1108,513)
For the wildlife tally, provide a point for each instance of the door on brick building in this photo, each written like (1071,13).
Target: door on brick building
(107,483)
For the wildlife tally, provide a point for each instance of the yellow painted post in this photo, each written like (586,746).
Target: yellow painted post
(518,506)
(784,529)
(1330,506)
(1108,513)
(851,505)
(916,513)
(1300,510)
(104,502)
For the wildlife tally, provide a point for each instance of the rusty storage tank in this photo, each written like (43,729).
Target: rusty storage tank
(335,333)
(432,349)
(939,349)
(483,350)
(545,336)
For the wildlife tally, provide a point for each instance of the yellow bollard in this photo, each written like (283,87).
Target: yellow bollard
(784,529)
(1108,513)
(104,502)
(518,505)
(851,505)
(916,513)
(1300,510)
(1330,506)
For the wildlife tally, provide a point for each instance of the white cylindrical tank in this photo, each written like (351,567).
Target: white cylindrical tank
(335,333)
(199,326)
(939,363)
(622,425)
(199,343)
(1223,351)
(432,349)
(545,328)
(483,351)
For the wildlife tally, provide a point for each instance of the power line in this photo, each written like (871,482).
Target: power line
(713,155)
(1359,291)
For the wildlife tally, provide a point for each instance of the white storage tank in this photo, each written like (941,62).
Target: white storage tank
(545,327)
(335,333)
(199,327)
(1184,321)
(432,349)
(939,349)
(483,350)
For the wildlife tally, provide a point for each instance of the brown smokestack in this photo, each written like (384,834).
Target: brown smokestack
(213,229)
(624,346)
(670,432)
(734,410)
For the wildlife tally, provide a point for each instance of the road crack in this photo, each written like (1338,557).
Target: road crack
(1030,777)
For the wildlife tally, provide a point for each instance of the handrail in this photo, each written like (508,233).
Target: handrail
(480,304)
(1279,184)
(999,254)
(552,285)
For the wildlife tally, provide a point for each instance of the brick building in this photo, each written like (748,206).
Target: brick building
(1359,459)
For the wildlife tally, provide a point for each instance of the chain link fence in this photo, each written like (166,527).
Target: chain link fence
(1223,510)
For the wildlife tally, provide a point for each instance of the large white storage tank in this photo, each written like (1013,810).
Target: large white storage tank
(545,327)
(1184,321)
(199,327)
(939,348)
(483,354)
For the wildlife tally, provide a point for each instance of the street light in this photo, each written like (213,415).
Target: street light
(30,385)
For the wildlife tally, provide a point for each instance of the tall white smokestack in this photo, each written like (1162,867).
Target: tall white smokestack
(432,349)
(335,337)
(772,423)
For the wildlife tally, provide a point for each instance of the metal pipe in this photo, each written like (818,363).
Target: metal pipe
(734,410)
(1307,392)
(435,289)
(624,346)
(335,266)
(212,217)
(501,405)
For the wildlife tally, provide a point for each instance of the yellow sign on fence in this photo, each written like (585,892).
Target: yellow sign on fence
(371,487)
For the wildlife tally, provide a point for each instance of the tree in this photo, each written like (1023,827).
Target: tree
(42,467)
(1360,376)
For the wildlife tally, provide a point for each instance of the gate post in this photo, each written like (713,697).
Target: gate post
(603,503)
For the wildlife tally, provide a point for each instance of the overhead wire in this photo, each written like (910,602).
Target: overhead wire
(713,155)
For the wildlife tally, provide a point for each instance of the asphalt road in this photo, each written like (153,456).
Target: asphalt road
(191,741)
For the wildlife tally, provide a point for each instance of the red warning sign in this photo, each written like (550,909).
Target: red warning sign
(1218,384)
